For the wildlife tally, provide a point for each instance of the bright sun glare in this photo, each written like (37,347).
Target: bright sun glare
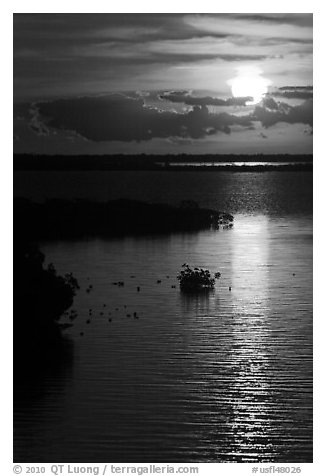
(249,82)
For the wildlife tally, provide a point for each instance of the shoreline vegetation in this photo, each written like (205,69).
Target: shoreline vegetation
(41,296)
(180,162)
(66,219)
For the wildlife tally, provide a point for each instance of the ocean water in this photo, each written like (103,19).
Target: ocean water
(219,376)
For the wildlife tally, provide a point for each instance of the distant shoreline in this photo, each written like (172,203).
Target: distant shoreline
(182,162)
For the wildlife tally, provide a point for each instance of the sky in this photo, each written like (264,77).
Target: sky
(163,83)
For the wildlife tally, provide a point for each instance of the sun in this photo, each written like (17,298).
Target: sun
(249,82)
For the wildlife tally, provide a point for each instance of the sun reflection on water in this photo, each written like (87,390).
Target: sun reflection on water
(251,396)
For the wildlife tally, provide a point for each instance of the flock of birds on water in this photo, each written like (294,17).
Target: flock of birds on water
(72,313)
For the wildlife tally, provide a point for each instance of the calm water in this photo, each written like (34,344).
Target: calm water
(272,193)
(222,376)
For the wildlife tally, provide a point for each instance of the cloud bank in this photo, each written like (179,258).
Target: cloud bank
(118,117)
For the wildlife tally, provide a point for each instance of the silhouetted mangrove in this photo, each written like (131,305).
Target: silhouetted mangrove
(40,298)
(196,279)
(62,219)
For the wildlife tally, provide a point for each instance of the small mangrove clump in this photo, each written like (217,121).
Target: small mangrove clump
(196,279)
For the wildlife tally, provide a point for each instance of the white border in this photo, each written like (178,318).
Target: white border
(277,6)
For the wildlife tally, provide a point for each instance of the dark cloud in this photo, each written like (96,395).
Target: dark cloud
(284,113)
(117,117)
(233,57)
(297,19)
(296,88)
(189,57)
(294,92)
(120,118)
(185,98)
